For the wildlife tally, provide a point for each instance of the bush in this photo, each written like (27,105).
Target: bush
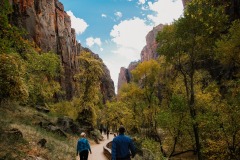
(12,84)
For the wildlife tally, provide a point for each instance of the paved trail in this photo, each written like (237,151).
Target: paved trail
(97,149)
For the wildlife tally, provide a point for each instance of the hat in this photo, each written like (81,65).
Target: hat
(121,129)
(83,134)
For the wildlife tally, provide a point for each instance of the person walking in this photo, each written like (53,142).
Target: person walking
(83,147)
(108,133)
(122,146)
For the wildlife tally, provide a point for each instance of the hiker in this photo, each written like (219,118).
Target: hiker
(83,147)
(122,145)
(107,133)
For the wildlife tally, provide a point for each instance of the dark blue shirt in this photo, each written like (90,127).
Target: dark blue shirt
(121,147)
(83,145)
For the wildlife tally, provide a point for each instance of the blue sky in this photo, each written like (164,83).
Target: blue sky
(116,29)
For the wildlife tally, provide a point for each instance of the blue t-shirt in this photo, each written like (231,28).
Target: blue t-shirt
(121,147)
(83,145)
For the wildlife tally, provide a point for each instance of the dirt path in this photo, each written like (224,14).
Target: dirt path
(97,149)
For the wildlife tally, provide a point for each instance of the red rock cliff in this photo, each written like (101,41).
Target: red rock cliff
(49,27)
(148,52)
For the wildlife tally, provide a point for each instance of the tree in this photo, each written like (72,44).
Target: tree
(146,75)
(191,42)
(132,97)
(88,90)
(12,82)
(42,72)
(228,54)
(10,36)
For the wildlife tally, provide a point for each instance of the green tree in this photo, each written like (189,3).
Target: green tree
(10,36)
(146,75)
(132,96)
(88,90)
(42,72)
(12,82)
(228,55)
(191,42)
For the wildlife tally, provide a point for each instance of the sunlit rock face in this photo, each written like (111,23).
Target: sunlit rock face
(123,77)
(125,74)
(150,50)
(49,27)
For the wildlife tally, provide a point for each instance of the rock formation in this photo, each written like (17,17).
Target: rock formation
(148,52)
(49,27)
(123,77)
(125,74)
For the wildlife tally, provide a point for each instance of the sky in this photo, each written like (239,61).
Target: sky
(116,29)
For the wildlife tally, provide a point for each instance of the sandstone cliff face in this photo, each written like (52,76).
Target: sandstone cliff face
(125,74)
(49,27)
(147,53)
(123,77)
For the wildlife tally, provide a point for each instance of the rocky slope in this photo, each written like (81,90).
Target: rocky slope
(49,27)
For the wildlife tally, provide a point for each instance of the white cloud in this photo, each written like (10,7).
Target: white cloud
(141,1)
(130,34)
(77,23)
(101,49)
(166,11)
(104,15)
(90,41)
(129,54)
(118,14)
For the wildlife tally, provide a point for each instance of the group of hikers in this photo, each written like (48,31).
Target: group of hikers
(122,146)
(105,131)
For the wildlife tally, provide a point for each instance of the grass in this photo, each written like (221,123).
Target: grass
(26,119)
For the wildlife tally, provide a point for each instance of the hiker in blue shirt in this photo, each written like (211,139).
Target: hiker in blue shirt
(83,147)
(122,145)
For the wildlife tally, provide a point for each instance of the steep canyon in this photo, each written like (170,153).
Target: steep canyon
(49,26)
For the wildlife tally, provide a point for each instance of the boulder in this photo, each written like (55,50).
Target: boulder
(42,142)
(42,109)
(56,130)
(67,125)
(13,134)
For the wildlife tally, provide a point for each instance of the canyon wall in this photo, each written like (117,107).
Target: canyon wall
(49,27)
(148,52)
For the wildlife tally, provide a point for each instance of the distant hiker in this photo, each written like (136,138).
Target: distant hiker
(100,130)
(122,145)
(83,147)
(104,130)
(107,133)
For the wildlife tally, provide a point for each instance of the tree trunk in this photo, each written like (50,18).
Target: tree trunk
(193,115)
